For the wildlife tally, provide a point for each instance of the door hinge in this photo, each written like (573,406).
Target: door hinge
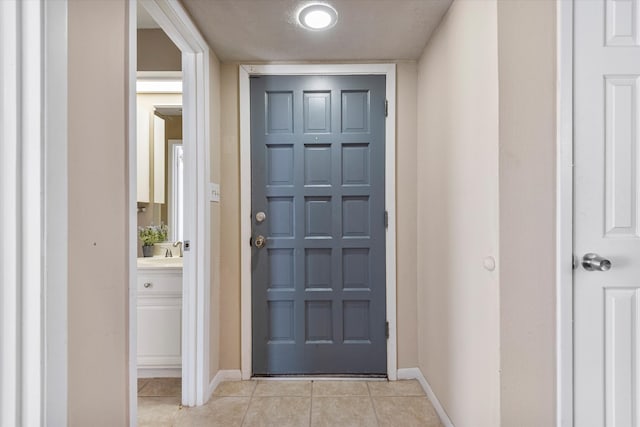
(386,330)
(386,219)
(386,108)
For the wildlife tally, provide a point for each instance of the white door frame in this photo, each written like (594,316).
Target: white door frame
(33,213)
(246,71)
(564,213)
(176,23)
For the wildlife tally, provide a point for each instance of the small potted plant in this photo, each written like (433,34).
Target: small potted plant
(150,235)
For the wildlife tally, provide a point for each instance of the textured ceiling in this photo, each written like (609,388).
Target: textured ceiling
(267,30)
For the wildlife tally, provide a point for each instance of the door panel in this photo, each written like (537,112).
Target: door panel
(318,285)
(606,108)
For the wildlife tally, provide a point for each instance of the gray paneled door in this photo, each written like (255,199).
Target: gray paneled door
(318,283)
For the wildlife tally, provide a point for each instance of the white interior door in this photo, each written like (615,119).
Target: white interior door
(607,303)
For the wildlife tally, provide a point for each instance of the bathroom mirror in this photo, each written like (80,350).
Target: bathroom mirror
(171,211)
(160,171)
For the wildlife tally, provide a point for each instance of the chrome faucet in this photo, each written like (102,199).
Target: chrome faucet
(176,244)
(168,254)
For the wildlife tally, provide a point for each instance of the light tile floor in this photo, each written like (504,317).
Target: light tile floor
(289,403)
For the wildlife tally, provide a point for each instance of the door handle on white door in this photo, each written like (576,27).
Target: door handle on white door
(594,262)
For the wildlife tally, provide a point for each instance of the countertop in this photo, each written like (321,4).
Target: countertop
(159,262)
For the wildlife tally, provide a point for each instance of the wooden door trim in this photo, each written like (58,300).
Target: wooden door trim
(564,214)
(245,72)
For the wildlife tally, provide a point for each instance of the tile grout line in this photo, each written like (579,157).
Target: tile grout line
(145,382)
(311,404)
(375,412)
(246,411)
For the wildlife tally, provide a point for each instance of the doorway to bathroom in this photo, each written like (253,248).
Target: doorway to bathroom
(160,230)
(160,220)
(169,290)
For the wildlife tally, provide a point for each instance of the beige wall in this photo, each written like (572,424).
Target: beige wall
(406,222)
(458,321)
(230,217)
(156,52)
(98,270)
(526,37)
(216,326)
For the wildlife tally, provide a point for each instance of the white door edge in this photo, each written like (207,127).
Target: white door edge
(56,219)
(33,214)
(176,23)
(245,71)
(564,214)
(132,156)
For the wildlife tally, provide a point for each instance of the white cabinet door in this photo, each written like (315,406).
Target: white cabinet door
(606,212)
(159,307)
(151,158)
(159,332)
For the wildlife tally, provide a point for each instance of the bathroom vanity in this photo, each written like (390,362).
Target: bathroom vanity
(159,309)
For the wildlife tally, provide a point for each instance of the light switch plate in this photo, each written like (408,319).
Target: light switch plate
(214,192)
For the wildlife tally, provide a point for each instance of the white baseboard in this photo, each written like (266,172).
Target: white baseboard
(221,376)
(159,372)
(314,378)
(416,374)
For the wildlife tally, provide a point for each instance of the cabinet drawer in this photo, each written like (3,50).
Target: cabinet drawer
(161,282)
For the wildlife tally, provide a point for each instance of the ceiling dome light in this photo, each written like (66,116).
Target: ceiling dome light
(317,17)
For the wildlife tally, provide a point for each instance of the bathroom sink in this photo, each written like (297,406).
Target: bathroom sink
(160,262)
